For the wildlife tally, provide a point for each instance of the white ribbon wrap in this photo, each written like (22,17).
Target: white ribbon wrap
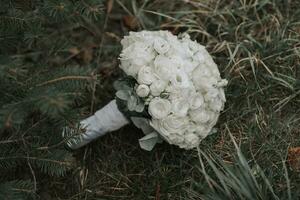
(105,120)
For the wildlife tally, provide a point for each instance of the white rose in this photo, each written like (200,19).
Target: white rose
(216,104)
(161,45)
(176,92)
(203,79)
(214,99)
(128,52)
(130,70)
(222,83)
(143,36)
(222,94)
(181,79)
(159,108)
(204,83)
(136,38)
(201,115)
(177,62)
(196,101)
(199,57)
(145,75)
(202,70)
(214,68)
(142,54)
(192,140)
(211,65)
(126,62)
(201,130)
(126,41)
(180,49)
(142,90)
(190,65)
(211,94)
(163,67)
(180,106)
(194,46)
(157,87)
(171,126)
(184,50)
(137,54)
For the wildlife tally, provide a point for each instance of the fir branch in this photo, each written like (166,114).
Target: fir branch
(33,175)
(65,78)
(37,94)
(17,189)
(62,163)
(13,141)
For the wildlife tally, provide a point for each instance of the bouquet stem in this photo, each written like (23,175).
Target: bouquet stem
(105,120)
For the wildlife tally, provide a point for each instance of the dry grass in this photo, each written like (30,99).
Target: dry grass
(256,45)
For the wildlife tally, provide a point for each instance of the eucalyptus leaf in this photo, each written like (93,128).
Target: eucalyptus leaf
(132,103)
(142,123)
(149,141)
(140,107)
(123,94)
(121,85)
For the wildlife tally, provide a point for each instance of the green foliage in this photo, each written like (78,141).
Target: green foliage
(127,97)
(44,86)
(19,190)
(236,180)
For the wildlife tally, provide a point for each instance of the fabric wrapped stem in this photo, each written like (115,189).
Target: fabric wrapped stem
(105,120)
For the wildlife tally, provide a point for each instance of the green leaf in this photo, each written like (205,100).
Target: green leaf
(142,123)
(149,141)
(17,189)
(132,103)
(121,85)
(140,107)
(123,94)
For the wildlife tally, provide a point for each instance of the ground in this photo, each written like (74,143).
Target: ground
(256,46)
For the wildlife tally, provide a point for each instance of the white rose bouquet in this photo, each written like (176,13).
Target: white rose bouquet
(172,91)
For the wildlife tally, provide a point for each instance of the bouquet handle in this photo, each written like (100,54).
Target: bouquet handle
(105,120)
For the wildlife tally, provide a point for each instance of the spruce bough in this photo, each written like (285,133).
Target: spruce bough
(44,85)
